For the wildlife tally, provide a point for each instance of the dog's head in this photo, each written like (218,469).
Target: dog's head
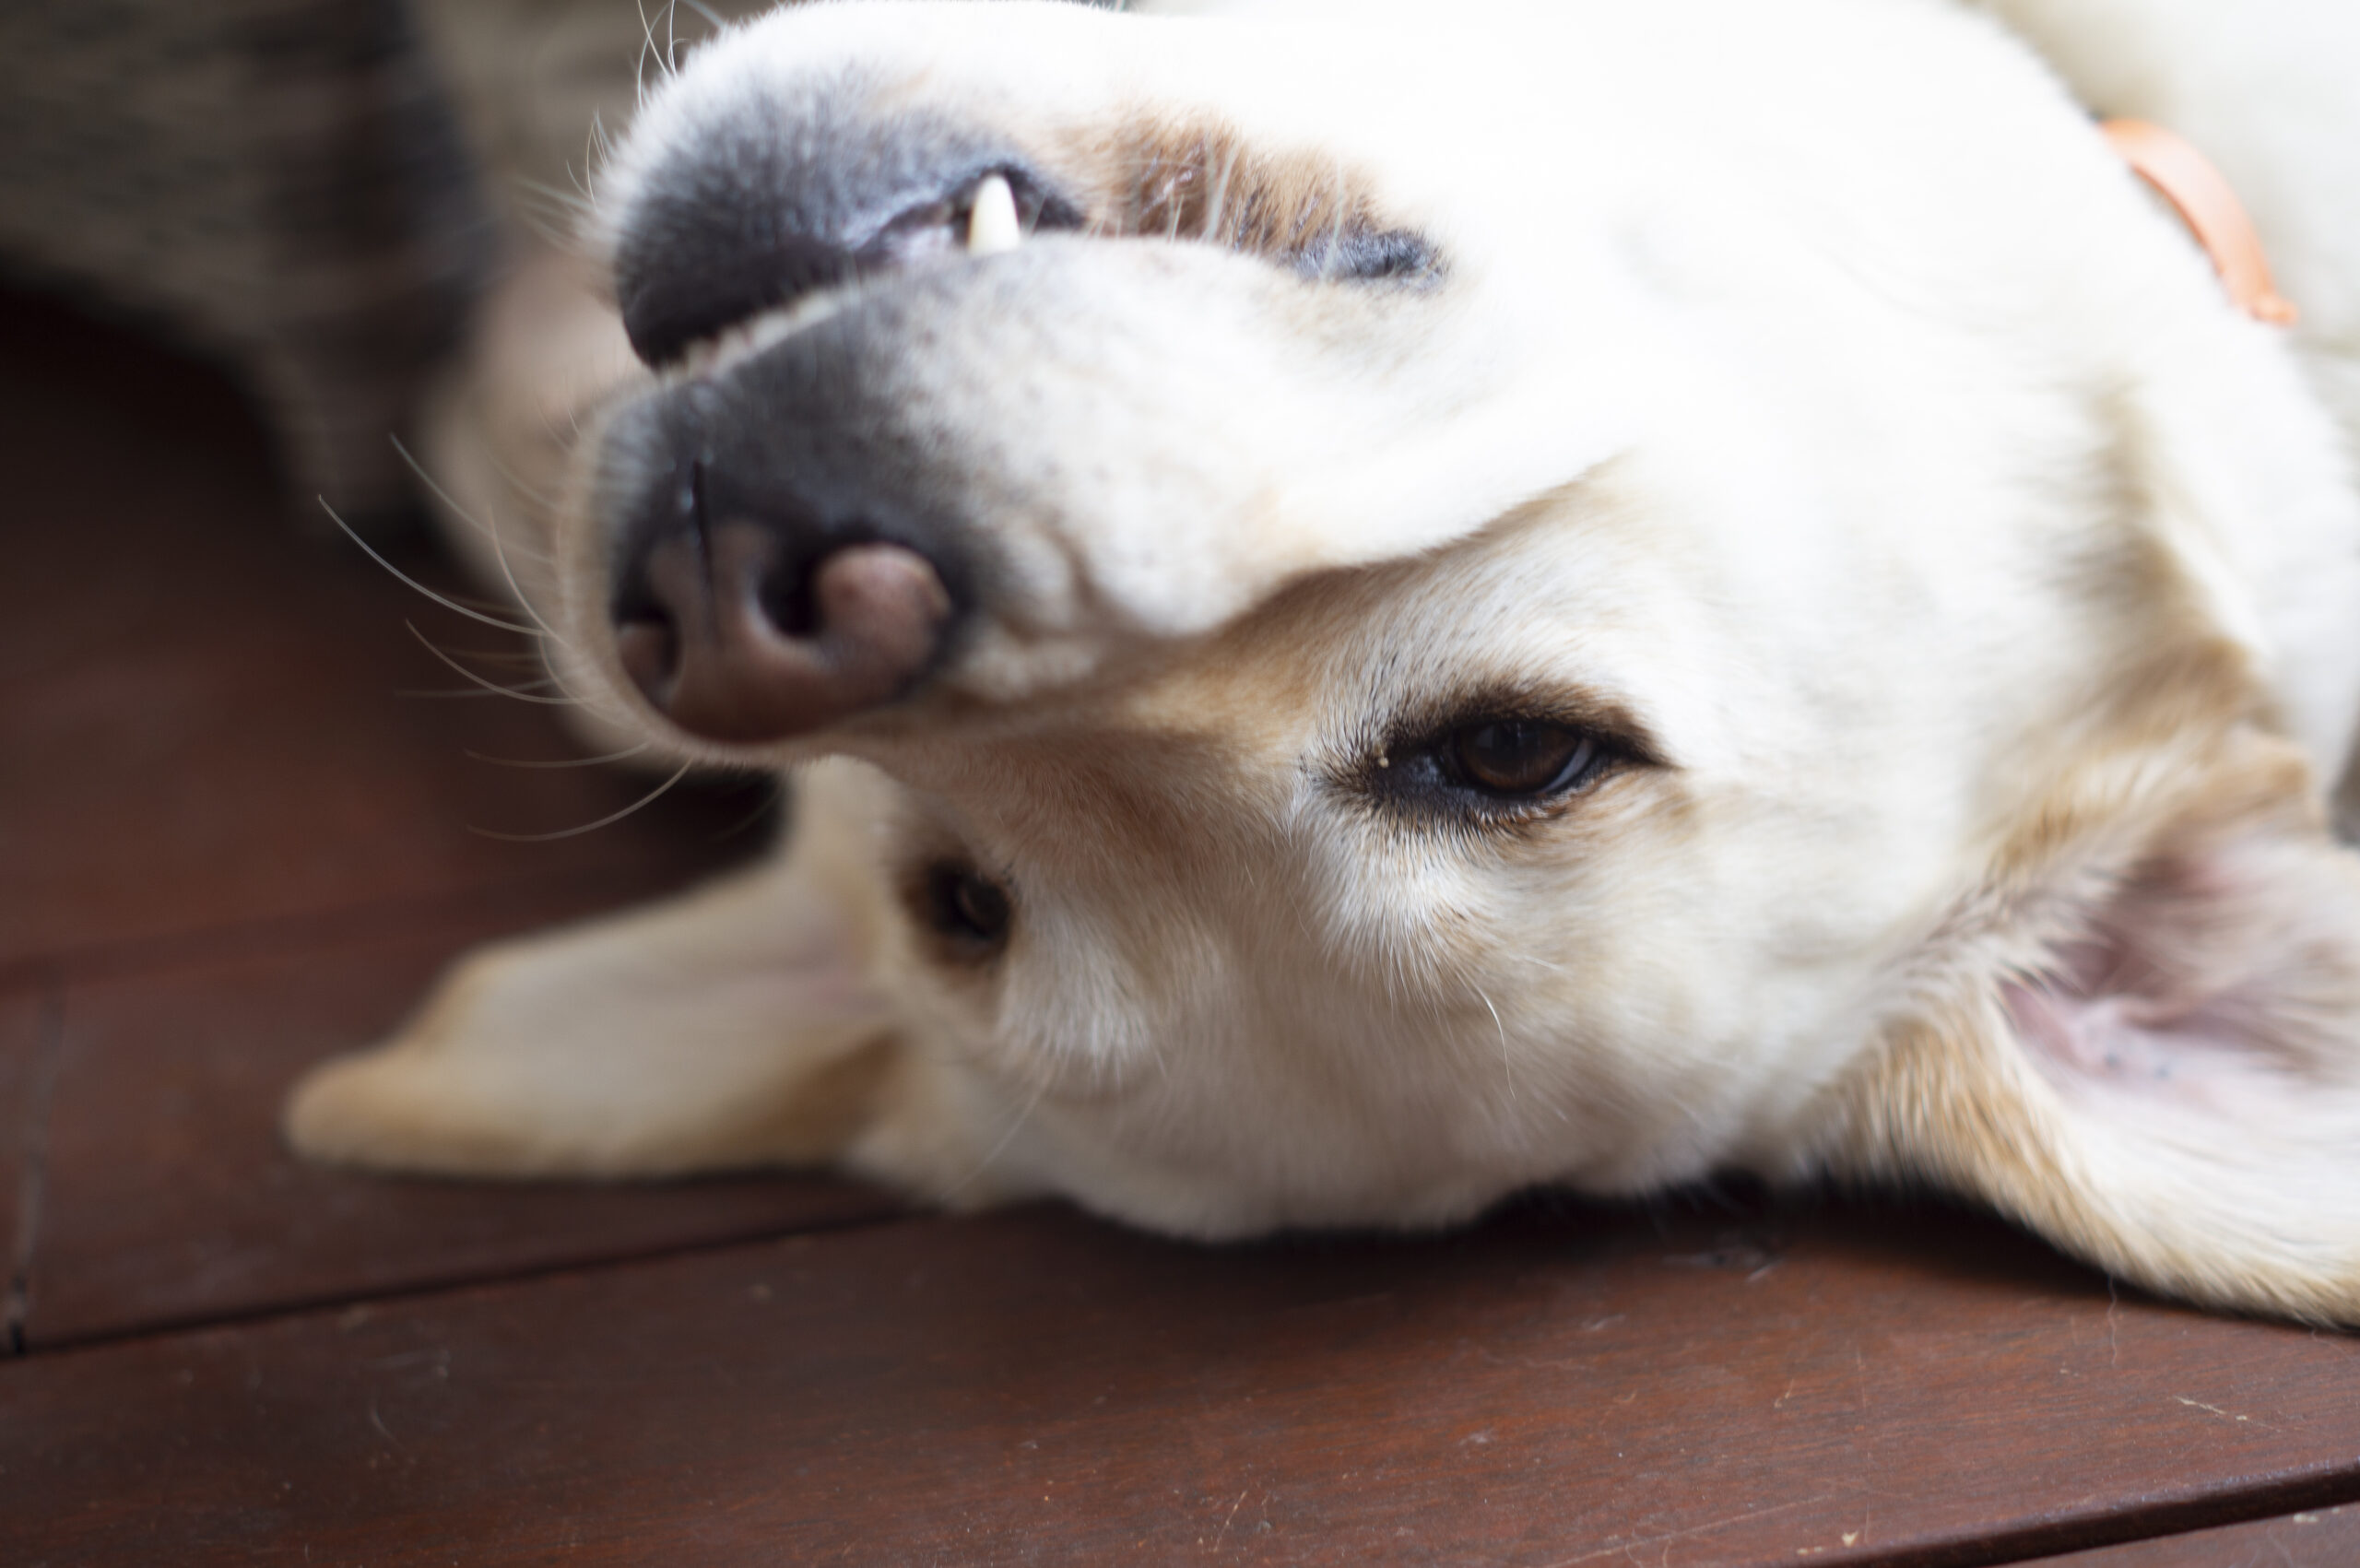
(1527,594)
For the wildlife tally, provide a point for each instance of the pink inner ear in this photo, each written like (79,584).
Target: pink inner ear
(2129,1047)
(2211,981)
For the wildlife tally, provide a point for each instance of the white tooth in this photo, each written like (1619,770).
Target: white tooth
(992,225)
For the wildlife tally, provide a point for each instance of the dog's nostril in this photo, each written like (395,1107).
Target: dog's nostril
(791,602)
(649,646)
(732,640)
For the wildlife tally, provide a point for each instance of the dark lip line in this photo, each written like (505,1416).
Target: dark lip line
(1429,271)
(859,258)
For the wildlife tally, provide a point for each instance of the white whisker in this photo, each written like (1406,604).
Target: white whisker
(640,805)
(649,48)
(562,762)
(565,201)
(963,1183)
(601,153)
(498,547)
(463,515)
(1507,1061)
(500,553)
(1217,214)
(412,582)
(776,791)
(522,694)
(515,481)
(472,694)
(522,657)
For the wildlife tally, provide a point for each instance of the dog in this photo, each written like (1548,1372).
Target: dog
(1378,605)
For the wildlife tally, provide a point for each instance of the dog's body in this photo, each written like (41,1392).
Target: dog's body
(1494,594)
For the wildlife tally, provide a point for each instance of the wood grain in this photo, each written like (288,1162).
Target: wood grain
(2327,1538)
(1032,1388)
(170,1196)
(24,1020)
(203,711)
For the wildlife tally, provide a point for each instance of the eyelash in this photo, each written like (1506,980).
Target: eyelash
(1420,775)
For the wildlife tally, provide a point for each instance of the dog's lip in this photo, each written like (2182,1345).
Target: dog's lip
(994,228)
(716,354)
(712,356)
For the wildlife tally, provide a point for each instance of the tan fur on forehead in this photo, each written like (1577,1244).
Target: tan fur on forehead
(1200,178)
(2178,729)
(2162,679)
(2161,721)
(1195,175)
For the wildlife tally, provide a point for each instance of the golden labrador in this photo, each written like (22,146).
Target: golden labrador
(1404,601)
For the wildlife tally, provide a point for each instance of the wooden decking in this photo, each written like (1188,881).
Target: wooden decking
(229,846)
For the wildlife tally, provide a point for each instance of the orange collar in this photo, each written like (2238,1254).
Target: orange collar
(2186,178)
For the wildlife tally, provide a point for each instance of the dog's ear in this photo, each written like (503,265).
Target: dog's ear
(2142,1037)
(737,1025)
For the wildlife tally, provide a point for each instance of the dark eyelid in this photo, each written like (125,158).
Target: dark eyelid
(1611,722)
(1396,767)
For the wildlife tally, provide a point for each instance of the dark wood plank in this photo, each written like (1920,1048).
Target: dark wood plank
(2327,1538)
(22,1027)
(171,1198)
(1035,1388)
(201,700)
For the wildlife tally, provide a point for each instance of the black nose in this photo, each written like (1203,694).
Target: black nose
(750,214)
(768,584)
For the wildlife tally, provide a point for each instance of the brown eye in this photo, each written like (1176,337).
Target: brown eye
(1522,757)
(967,907)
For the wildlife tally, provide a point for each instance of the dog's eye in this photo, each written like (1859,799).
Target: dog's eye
(967,909)
(1520,759)
(1492,766)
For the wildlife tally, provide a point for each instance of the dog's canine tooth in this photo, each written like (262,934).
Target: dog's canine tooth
(992,225)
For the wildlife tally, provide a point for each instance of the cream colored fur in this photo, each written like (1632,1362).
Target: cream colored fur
(1807,385)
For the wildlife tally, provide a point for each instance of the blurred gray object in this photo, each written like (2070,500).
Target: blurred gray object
(318,192)
(280,183)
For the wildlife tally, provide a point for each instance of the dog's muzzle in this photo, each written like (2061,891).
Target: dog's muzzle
(783,561)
